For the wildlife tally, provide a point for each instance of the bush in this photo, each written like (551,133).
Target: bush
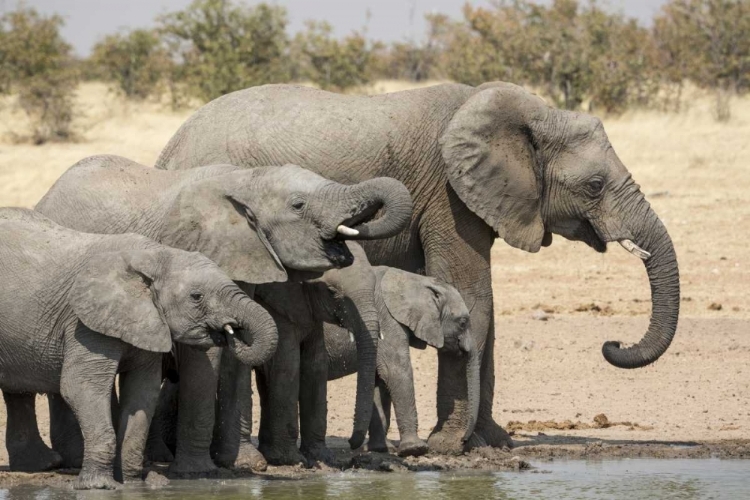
(135,61)
(331,63)
(35,63)
(222,46)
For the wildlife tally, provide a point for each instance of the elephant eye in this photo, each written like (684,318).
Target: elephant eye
(196,296)
(298,204)
(596,185)
(463,322)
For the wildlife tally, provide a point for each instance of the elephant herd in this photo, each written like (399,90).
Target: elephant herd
(305,235)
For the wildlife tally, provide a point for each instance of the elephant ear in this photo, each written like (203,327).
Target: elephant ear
(492,164)
(206,217)
(414,302)
(112,295)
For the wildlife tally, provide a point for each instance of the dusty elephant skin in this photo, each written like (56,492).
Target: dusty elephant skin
(255,223)
(418,311)
(480,163)
(83,308)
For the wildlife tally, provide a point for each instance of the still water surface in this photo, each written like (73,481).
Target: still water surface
(574,479)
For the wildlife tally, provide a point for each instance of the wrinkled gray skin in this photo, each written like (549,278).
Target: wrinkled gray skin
(480,163)
(254,223)
(298,370)
(78,308)
(418,311)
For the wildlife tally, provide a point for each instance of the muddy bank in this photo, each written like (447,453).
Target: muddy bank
(529,449)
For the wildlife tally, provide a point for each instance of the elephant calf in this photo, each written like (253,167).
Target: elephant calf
(413,310)
(76,309)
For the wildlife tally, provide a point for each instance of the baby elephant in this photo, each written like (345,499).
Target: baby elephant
(76,309)
(414,310)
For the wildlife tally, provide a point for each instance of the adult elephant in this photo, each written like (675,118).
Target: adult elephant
(480,163)
(255,223)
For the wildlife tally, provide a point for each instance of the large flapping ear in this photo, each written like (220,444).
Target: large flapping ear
(414,302)
(112,295)
(206,217)
(492,164)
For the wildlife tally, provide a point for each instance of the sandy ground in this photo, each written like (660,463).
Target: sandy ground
(695,173)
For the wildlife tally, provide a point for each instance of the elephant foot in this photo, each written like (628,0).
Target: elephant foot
(380,445)
(91,480)
(193,466)
(319,453)
(288,455)
(414,447)
(248,457)
(446,442)
(33,457)
(494,435)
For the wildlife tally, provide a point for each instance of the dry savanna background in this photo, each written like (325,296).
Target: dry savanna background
(684,135)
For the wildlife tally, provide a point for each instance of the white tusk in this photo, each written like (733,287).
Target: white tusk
(228,329)
(351,337)
(634,249)
(347,231)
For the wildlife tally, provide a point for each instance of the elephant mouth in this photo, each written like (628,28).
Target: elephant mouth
(218,337)
(586,233)
(338,253)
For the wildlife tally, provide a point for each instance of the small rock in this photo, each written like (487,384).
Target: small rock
(539,315)
(715,307)
(601,421)
(154,480)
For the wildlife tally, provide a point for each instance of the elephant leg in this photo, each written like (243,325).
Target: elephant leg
(381,419)
(26,450)
(313,404)
(487,429)
(164,419)
(198,372)
(86,385)
(279,421)
(64,432)
(139,393)
(400,388)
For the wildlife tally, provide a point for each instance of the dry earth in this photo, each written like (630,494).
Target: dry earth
(696,174)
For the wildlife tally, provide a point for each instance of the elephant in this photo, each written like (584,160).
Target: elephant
(481,163)
(414,311)
(257,224)
(297,373)
(78,309)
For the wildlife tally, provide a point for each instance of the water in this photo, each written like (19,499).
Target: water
(575,479)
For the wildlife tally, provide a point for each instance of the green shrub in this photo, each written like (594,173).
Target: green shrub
(35,63)
(135,61)
(222,46)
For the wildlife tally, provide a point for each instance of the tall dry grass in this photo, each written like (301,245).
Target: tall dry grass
(695,172)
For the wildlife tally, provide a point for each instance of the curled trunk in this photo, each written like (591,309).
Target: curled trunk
(664,277)
(255,342)
(387,198)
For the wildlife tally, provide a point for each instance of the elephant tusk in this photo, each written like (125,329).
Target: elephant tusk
(351,337)
(347,231)
(228,329)
(634,249)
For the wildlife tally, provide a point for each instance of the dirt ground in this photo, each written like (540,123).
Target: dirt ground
(554,309)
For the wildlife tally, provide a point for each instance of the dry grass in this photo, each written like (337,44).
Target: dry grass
(694,170)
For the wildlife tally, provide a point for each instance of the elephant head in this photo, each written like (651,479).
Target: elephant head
(149,297)
(529,170)
(435,314)
(256,223)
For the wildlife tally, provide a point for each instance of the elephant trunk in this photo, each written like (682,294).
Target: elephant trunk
(384,196)
(473,366)
(366,331)
(255,342)
(664,278)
